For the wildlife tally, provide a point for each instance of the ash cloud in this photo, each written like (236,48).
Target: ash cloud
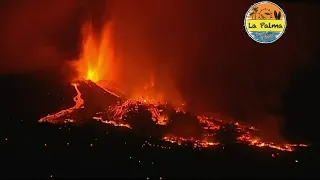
(203,49)
(37,34)
(196,49)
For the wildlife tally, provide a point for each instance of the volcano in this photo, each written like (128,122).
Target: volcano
(96,103)
(96,99)
(146,111)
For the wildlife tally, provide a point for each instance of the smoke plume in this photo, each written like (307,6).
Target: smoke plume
(197,50)
(37,35)
(201,48)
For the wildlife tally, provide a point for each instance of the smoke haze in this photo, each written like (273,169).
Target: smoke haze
(35,34)
(197,50)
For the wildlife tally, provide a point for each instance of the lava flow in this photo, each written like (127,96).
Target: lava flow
(117,115)
(96,65)
(78,104)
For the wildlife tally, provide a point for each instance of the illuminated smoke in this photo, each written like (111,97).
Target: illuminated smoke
(194,49)
(200,48)
(37,34)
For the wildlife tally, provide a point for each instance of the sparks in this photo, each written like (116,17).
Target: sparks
(116,115)
(96,66)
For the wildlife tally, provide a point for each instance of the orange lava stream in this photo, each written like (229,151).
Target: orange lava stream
(97,63)
(78,104)
(196,143)
(210,124)
(116,116)
(112,93)
(114,123)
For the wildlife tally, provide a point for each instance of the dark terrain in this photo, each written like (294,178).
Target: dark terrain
(30,149)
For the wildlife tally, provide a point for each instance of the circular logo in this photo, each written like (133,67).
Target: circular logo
(265,22)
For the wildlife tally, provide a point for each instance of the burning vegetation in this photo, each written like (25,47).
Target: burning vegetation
(146,113)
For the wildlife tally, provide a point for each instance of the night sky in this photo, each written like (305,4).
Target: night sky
(199,48)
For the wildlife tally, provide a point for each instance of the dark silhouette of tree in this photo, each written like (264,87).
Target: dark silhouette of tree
(227,134)
(253,14)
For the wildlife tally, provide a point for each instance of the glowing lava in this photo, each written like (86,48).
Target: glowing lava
(97,64)
(96,61)
(78,104)
(97,58)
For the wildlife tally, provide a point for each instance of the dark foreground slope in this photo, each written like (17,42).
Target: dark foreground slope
(30,149)
(42,150)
